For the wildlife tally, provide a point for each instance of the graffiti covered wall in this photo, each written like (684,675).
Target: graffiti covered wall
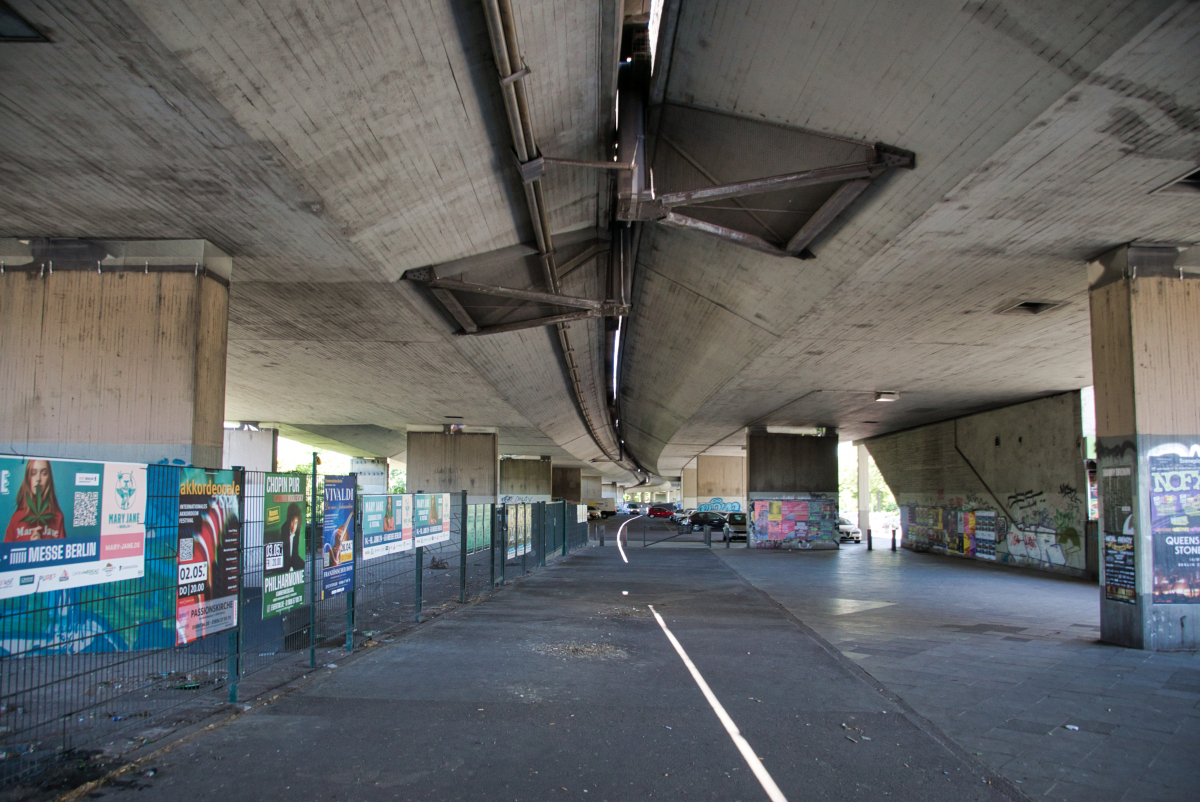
(1007,485)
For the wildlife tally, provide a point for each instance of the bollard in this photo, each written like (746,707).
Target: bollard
(643,536)
(728,537)
(893,540)
(603,530)
(868,538)
(707,536)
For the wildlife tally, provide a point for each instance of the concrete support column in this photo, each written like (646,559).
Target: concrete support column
(526,480)
(114,350)
(1145,316)
(589,488)
(687,484)
(864,492)
(567,483)
(803,468)
(444,462)
(781,464)
(254,450)
(721,483)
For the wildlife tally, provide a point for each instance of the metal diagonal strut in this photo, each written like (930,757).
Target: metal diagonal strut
(887,158)
(566,317)
(676,220)
(552,298)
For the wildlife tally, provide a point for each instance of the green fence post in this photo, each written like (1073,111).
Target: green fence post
(354,562)
(504,544)
(462,552)
(420,567)
(235,636)
(312,562)
(530,513)
(547,517)
(492,544)
(564,545)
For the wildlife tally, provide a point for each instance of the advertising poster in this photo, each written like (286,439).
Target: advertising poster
(1175,527)
(1120,574)
(337,530)
(985,534)
(387,525)
(208,549)
(519,527)
(69,524)
(431,518)
(801,522)
(284,547)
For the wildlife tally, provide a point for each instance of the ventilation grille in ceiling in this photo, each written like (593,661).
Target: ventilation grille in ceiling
(1028,308)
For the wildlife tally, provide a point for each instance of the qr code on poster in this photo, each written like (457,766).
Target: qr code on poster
(87,507)
(186,549)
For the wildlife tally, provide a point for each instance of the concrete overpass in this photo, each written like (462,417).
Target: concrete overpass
(622,236)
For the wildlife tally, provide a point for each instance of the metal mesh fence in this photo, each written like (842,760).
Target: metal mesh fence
(80,669)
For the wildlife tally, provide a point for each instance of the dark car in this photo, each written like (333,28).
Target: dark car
(659,512)
(735,525)
(714,520)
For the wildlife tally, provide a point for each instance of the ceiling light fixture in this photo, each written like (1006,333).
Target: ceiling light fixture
(887,395)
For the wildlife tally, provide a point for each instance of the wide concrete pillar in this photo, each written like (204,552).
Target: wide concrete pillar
(687,484)
(1145,316)
(721,483)
(589,488)
(567,483)
(781,464)
(449,462)
(114,350)
(792,485)
(526,480)
(864,492)
(252,449)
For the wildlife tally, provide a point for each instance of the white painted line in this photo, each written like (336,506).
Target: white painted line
(619,531)
(752,760)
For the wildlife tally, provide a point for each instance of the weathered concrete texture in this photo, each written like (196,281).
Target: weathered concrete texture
(448,463)
(1041,132)
(1148,421)
(113,366)
(791,463)
(1024,461)
(567,483)
(564,685)
(526,480)
(1004,662)
(720,482)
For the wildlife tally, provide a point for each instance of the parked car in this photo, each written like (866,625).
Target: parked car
(681,515)
(848,531)
(735,525)
(715,521)
(635,508)
(605,507)
(659,512)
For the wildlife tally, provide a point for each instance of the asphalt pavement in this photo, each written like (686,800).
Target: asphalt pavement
(565,686)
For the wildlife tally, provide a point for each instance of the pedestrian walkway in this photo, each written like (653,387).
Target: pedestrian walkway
(1005,662)
(566,686)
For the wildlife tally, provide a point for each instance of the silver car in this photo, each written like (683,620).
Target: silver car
(735,525)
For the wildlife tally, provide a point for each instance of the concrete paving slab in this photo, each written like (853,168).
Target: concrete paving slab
(1018,659)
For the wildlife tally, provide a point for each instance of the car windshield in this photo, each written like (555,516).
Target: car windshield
(737,517)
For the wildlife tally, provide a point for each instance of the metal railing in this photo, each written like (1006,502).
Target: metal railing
(83,667)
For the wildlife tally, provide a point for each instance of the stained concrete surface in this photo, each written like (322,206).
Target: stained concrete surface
(1003,661)
(564,687)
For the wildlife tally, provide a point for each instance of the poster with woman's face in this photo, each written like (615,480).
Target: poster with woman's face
(69,524)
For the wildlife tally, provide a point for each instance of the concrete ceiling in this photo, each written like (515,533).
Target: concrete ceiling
(330,148)
(1040,131)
